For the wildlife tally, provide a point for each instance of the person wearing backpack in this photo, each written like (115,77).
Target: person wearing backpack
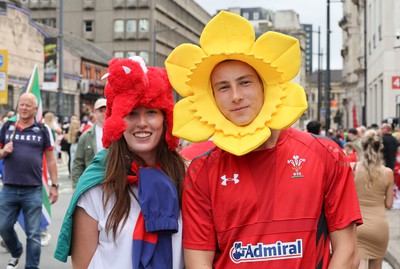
(22,189)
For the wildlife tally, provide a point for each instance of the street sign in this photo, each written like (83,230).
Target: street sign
(396,82)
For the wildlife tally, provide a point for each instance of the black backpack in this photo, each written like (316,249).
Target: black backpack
(7,125)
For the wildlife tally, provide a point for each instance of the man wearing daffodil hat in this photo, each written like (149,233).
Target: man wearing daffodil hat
(268,196)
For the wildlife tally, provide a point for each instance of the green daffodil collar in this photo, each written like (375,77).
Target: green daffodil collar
(275,57)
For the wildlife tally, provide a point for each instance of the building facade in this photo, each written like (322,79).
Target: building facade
(337,96)
(371,52)
(24,43)
(24,40)
(124,28)
(84,65)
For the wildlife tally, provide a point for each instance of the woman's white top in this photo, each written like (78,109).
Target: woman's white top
(118,254)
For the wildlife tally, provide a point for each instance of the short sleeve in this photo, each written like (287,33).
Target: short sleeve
(91,202)
(2,135)
(198,227)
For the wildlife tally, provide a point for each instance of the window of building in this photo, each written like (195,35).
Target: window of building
(380,32)
(88,26)
(256,16)
(130,54)
(119,54)
(145,56)
(143,25)
(68,104)
(118,26)
(373,40)
(24,1)
(50,22)
(87,72)
(49,100)
(131,26)
(246,15)
(97,74)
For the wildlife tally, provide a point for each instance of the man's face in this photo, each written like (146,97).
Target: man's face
(351,136)
(27,107)
(100,114)
(385,130)
(238,91)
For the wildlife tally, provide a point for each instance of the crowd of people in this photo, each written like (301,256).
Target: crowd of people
(373,154)
(249,192)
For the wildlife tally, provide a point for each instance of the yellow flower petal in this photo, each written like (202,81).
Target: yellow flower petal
(275,57)
(179,64)
(294,104)
(187,126)
(227,33)
(242,144)
(281,51)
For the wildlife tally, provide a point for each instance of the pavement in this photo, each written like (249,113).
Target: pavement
(393,251)
(392,259)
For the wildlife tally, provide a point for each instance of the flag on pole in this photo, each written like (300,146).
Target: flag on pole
(33,86)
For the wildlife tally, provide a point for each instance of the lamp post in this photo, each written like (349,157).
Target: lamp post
(328,71)
(60,64)
(155,32)
(364,110)
(319,54)
(328,66)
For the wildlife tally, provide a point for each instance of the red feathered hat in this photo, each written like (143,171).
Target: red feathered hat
(130,85)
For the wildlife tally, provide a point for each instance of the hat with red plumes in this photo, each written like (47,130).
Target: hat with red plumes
(131,85)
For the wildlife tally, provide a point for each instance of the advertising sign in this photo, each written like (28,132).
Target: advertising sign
(3,77)
(50,63)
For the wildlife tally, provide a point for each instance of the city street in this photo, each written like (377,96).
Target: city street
(58,211)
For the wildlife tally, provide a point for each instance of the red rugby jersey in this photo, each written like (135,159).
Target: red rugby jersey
(270,208)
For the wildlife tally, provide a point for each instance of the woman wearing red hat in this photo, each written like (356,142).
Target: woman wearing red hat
(125,209)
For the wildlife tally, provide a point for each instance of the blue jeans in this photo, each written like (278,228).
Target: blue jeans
(12,201)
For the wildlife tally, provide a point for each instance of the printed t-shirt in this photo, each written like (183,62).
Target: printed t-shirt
(270,208)
(118,254)
(24,165)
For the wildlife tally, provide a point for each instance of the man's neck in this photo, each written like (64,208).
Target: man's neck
(23,123)
(271,141)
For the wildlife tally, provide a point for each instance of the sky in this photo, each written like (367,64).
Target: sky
(310,12)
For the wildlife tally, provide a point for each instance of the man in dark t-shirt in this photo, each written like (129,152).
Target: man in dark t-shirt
(390,145)
(22,145)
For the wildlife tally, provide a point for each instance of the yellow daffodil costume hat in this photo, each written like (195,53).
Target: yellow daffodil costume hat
(276,58)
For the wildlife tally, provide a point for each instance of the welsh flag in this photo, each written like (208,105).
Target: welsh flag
(34,87)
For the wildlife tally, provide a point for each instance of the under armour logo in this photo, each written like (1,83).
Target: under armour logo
(226,179)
